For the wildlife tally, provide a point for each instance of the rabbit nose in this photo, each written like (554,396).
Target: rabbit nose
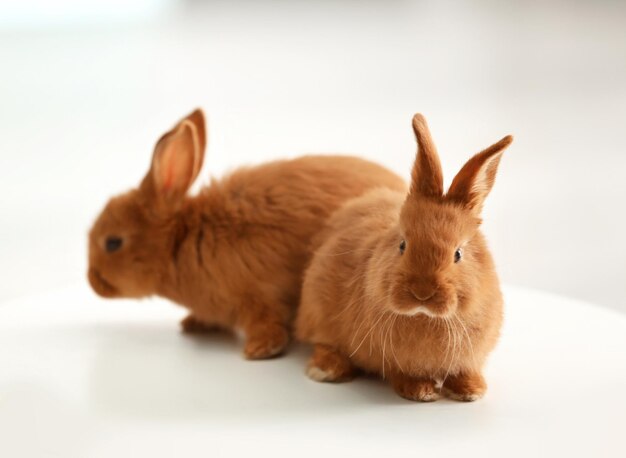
(423,294)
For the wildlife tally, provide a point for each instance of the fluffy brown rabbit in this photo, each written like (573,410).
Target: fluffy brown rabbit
(404,286)
(234,254)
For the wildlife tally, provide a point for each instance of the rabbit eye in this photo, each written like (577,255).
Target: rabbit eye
(402,246)
(113,244)
(457,255)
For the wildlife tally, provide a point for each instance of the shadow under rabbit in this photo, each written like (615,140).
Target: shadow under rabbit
(156,371)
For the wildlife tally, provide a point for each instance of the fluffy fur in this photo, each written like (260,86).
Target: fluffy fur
(233,255)
(384,294)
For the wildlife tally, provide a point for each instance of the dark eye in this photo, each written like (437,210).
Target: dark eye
(457,255)
(402,246)
(113,244)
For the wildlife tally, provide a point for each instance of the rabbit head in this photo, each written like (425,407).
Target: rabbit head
(130,242)
(439,251)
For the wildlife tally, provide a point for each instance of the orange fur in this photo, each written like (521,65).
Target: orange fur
(414,316)
(234,255)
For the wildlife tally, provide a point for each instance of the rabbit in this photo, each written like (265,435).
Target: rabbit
(403,286)
(234,254)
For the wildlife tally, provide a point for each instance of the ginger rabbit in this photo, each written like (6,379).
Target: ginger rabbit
(234,254)
(403,285)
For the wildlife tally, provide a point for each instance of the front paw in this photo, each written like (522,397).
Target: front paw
(267,344)
(328,365)
(191,325)
(465,387)
(415,389)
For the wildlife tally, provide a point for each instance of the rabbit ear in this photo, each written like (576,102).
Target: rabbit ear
(197,119)
(427,177)
(175,164)
(474,181)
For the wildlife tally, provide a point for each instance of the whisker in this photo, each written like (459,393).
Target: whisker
(384,341)
(393,351)
(368,333)
(469,340)
(450,335)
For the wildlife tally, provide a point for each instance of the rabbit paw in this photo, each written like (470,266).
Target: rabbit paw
(465,387)
(191,325)
(328,365)
(415,389)
(267,344)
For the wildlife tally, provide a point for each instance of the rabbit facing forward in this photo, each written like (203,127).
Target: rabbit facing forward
(234,254)
(403,285)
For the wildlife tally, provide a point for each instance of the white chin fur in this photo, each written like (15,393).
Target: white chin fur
(420,309)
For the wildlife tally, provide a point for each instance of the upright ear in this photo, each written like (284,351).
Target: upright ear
(474,181)
(426,178)
(176,161)
(197,119)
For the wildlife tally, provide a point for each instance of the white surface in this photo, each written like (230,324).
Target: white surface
(82,104)
(84,377)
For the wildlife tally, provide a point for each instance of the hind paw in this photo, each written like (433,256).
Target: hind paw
(267,344)
(191,325)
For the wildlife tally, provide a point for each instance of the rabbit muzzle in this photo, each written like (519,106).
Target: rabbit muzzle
(100,285)
(435,300)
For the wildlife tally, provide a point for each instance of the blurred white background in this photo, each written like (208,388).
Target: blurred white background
(87,87)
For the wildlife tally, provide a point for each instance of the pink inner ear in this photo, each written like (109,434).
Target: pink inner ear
(168,170)
(175,160)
